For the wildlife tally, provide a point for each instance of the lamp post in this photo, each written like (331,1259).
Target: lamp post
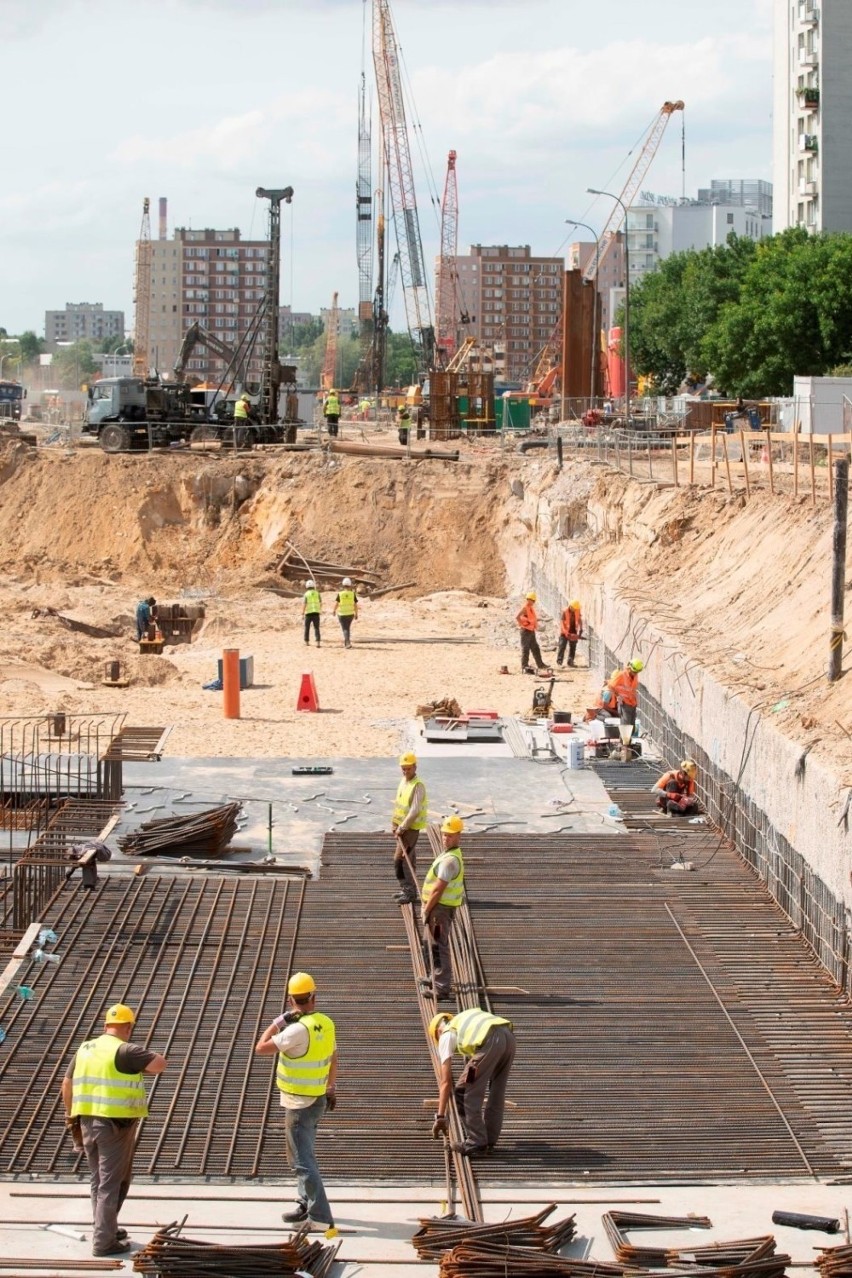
(572,221)
(592,191)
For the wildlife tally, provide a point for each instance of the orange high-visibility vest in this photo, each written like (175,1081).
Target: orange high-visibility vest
(527,618)
(625,685)
(572,623)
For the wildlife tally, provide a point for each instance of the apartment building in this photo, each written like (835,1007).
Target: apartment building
(212,278)
(747,193)
(513,299)
(655,231)
(812,141)
(81,321)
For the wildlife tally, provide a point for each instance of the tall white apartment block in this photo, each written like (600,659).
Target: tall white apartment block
(812,138)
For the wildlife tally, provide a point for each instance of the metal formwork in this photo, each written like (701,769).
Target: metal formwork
(674,1025)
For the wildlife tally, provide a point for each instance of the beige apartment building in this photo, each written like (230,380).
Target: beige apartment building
(212,278)
(513,300)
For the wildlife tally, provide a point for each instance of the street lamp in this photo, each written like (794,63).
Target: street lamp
(592,191)
(572,221)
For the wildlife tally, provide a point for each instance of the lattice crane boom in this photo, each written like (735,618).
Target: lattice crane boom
(446,302)
(631,188)
(142,321)
(400,180)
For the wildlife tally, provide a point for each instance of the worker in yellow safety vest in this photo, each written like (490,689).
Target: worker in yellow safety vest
(346,609)
(103,1093)
(311,609)
(331,411)
(241,409)
(487,1043)
(443,893)
(410,816)
(306,1077)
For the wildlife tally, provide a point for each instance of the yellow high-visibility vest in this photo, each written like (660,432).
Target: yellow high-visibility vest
(240,410)
(346,603)
(313,602)
(472,1028)
(453,892)
(404,791)
(308,1075)
(98,1089)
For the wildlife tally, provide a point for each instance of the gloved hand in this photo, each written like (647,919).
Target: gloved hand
(287,1018)
(440,1127)
(75,1131)
(331,1100)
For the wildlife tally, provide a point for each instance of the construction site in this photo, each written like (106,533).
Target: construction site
(233,614)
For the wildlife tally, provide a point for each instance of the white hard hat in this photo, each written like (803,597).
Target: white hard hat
(347,581)
(310,585)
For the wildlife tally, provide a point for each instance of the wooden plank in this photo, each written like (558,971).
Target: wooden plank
(745,463)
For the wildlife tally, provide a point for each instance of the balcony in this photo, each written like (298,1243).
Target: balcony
(808,58)
(808,188)
(809,18)
(809,142)
(808,98)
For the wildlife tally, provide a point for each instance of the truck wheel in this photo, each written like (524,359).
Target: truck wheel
(115,438)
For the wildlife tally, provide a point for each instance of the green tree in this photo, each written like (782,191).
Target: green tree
(400,361)
(31,346)
(73,365)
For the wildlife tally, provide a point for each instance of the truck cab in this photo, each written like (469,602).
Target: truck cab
(115,399)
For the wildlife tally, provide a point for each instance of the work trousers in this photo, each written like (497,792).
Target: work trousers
(346,627)
(626,713)
(331,424)
(404,867)
(564,642)
(437,936)
(484,1080)
(300,1128)
(312,619)
(109,1150)
(530,648)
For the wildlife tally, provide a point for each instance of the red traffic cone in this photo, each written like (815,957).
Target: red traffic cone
(308,699)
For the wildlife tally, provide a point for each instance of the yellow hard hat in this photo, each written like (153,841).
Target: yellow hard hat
(452,824)
(408,760)
(119,1014)
(636,665)
(575,603)
(301,983)
(436,1024)
(532,595)
(689,766)
(245,395)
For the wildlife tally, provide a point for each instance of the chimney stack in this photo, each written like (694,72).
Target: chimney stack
(164,234)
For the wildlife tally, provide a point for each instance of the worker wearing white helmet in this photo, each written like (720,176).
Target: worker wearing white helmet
(311,609)
(443,893)
(346,608)
(410,815)
(527,620)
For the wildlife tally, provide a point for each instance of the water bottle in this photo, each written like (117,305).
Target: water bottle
(41,957)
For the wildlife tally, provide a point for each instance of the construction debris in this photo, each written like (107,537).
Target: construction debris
(447,708)
(205,833)
(168,1255)
(293,564)
(617,1223)
(835,1262)
(440,1234)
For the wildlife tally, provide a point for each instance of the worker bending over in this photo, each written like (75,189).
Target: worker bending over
(443,893)
(571,630)
(146,615)
(488,1044)
(606,706)
(306,1076)
(527,620)
(675,791)
(311,608)
(625,684)
(410,816)
(104,1097)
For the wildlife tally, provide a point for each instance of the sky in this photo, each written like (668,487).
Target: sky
(202,101)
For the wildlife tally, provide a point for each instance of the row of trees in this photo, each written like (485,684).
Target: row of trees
(71,365)
(308,342)
(751,315)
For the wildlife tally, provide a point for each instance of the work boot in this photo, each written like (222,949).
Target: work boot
(570,663)
(118,1248)
(405,897)
(299,1213)
(471,1152)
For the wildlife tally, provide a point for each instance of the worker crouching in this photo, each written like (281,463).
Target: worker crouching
(675,791)
(487,1043)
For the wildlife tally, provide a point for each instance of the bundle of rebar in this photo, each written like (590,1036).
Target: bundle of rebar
(205,833)
(168,1255)
(494,1260)
(617,1223)
(440,1234)
(835,1262)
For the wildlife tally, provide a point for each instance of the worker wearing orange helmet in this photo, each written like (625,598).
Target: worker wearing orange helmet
(675,790)
(410,816)
(487,1043)
(570,631)
(104,1096)
(625,684)
(527,620)
(306,1077)
(442,894)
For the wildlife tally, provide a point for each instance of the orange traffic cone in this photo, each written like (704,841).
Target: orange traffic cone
(308,699)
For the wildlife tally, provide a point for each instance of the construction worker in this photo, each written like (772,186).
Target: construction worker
(104,1097)
(625,684)
(606,706)
(311,608)
(527,620)
(346,609)
(443,893)
(571,630)
(488,1044)
(145,616)
(306,1077)
(331,411)
(409,817)
(403,422)
(675,791)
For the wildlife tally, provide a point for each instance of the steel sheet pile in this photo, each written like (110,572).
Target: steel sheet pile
(445,1237)
(168,1255)
(835,1262)
(205,833)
